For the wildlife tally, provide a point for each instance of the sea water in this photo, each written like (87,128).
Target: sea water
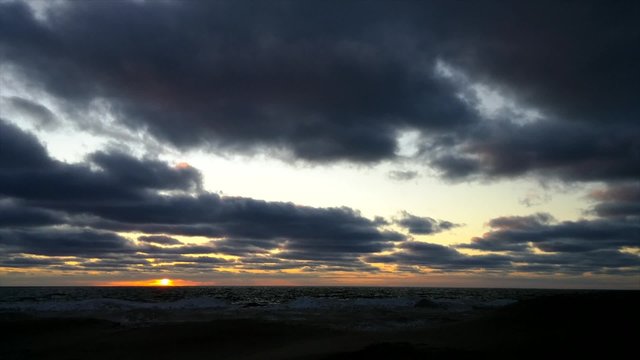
(358,306)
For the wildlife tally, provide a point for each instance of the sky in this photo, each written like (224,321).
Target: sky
(405,143)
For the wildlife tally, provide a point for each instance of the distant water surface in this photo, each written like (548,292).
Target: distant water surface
(374,306)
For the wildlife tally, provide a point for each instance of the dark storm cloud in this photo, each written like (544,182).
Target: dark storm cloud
(523,233)
(56,242)
(521,222)
(327,266)
(239,76)
(39,114)
(250,226)
(146,174)
(557,57)
(535,244)
(591,261)
(566,260)
(298,227)
(423,225)
(247,77)
(27,262)
(246,247)
(20,151)
(89,250)
(587,134)
(206,230)
(568,151)
(440,257)
(27,172)
(171,252)
(618,201)
(120,195)
(455,166)
(15,214)
(242,76)
(142,264)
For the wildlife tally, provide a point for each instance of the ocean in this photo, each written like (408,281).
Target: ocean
(250,323)
(370,307)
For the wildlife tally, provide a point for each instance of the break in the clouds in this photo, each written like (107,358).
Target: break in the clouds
(465,92)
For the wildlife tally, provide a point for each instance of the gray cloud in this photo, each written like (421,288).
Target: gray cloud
(243,78)
(618,201)
(509,46)
(219,77)
(27,172)
(423,225)
(28,262)
(15,214)
(122,195)
(579,255)
(400,175)
(159,239)
(147,174)
(534,198)
(566,151)
(71,242)
(523,233)
(440,257)
(534,244)
(37,113)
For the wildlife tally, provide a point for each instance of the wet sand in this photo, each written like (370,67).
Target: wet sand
(604,324)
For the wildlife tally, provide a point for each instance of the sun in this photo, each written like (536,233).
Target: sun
(164,282)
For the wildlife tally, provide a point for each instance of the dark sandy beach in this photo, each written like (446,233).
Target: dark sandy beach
(605,324)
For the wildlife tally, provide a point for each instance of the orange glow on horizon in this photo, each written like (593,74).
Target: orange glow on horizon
(165,282)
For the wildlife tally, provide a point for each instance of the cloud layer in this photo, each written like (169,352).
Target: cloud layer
(278,78)
(317,82)
(122,194)
(68,217)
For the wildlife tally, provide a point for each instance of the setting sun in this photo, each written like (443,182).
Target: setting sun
(164,282)
(154,282)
